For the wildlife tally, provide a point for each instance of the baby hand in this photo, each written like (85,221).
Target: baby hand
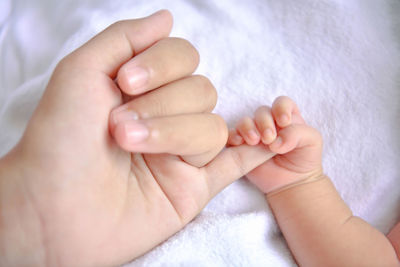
(282,129)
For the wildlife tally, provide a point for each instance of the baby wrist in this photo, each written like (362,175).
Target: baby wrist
(308,178)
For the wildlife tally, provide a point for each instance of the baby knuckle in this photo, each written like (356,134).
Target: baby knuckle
(263,109)
(69,63)
(118,25)
(117,29)
(120,30)
(245,121)
(283,98)
(62,65)
(317,136)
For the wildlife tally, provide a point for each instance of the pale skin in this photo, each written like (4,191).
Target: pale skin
(318,226)
(111,164)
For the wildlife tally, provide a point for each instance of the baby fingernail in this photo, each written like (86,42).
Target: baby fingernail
(269,134)
(284,119)
(252,134)
(135,132)
(137,77)
(237,139)
(122,114)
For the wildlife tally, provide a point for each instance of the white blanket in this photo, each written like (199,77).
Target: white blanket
(339,59)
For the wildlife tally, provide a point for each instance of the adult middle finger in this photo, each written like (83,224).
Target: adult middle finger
(193,94)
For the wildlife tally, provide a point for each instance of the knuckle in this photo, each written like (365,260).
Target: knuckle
(204,83)
(182,49)
(221,128)
(186,47)
(70,65)
(263,109)
(118,28)
(118,25)
(66,63)
(318,137)
(158,108)
(314,135)
(208,91)
(245,121)
(61,66)
(283,98)
(149,107)
(238,161)
(280,103)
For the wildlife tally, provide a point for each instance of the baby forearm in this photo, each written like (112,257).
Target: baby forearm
(321,230)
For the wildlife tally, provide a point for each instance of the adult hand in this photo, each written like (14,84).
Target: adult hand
(70,196)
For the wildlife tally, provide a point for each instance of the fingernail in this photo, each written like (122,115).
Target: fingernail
(252,134)
(135,132)
(137,77)
(269,134)
(277,142)
(122,114)
(284,119)
(237,139)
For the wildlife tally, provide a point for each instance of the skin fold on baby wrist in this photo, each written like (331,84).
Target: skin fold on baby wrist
(309,178)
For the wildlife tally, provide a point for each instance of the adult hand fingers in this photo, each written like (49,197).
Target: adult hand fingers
(196,137)
(167,60)
(233,163)
(118,43)
(193,94)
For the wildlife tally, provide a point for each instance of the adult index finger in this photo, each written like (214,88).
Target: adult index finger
(118,43)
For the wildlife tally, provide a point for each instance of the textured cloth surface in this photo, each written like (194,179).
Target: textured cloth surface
(338,59)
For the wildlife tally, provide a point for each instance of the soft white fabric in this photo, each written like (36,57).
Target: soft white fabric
(339,59)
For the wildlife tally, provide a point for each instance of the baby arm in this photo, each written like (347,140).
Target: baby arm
(319,227)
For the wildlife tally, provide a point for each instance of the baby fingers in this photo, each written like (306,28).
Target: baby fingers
(297,136)
(286,112)
(265,124)
(234,138)
(248,130)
